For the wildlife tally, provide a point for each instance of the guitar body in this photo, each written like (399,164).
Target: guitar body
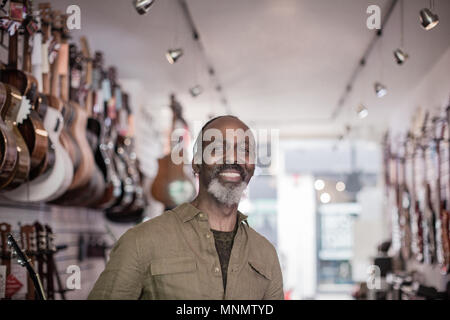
(9,110)
(58,178)
(112,191)
(171,185)
(49,159)
(8,146)
(86,166)
(66,139)
(32,128)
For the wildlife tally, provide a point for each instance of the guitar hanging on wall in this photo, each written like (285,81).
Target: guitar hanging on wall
(172,186)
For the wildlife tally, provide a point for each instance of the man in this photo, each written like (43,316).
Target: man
(203,249)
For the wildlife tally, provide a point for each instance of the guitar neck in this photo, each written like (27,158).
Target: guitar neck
(12,51)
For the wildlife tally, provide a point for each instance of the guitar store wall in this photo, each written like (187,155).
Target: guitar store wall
(432,95)
(83,236)
(74,228)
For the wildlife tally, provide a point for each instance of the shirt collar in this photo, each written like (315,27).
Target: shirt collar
(187,212)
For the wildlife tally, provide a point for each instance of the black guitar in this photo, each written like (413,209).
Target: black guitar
(24,261)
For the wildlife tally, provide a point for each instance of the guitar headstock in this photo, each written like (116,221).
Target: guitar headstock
(28,239)
(45,12)
(41,237)
(50,239)
(75,57)
(22,258)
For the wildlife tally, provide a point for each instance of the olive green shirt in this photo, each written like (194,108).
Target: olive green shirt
(173,256)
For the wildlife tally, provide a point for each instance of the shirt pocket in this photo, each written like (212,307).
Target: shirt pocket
(174,278)
(258,277)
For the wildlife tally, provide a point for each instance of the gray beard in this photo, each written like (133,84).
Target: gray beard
(226,195)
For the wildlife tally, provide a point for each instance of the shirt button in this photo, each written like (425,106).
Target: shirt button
(216,270)
(201,215)
(208,235)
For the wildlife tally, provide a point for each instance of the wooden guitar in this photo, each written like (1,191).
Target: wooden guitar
(54,84)
(125,150)
(77,124)
(11,106)
(53,182)
(428,222)
(8,148)
(31,128)
(171,185)
(114,109)
(90,192)
(100,126)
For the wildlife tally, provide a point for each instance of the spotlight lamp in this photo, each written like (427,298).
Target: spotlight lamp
(400,56)
(143,6)
(428,19)
(380,90)
(362,111)
(173,55)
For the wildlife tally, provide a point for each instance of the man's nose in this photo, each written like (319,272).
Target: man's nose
(231,155)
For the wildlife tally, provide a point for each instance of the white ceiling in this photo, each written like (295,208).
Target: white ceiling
(283,64)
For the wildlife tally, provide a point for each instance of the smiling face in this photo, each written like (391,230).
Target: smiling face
(227,164)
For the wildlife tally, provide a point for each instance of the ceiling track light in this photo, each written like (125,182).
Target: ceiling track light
(362,111)
(428,19)
(400,56)
(173,55)
(380,90)
(143,6)
(196,91)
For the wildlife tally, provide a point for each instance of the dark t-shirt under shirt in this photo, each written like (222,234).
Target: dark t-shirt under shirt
(224,244)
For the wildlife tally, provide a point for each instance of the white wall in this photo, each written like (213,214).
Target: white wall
(297,234)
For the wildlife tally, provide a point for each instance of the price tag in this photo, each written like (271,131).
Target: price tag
(16,11)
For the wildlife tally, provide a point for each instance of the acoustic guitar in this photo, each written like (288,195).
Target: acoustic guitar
(31,128)
(100,126)
(12,112)
(125,151)
(91,191)
(56,180)
(58,66)
(114,108)
(172,186)
(77,116)
(8,148)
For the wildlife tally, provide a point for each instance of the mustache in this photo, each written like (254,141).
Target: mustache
(219,168)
